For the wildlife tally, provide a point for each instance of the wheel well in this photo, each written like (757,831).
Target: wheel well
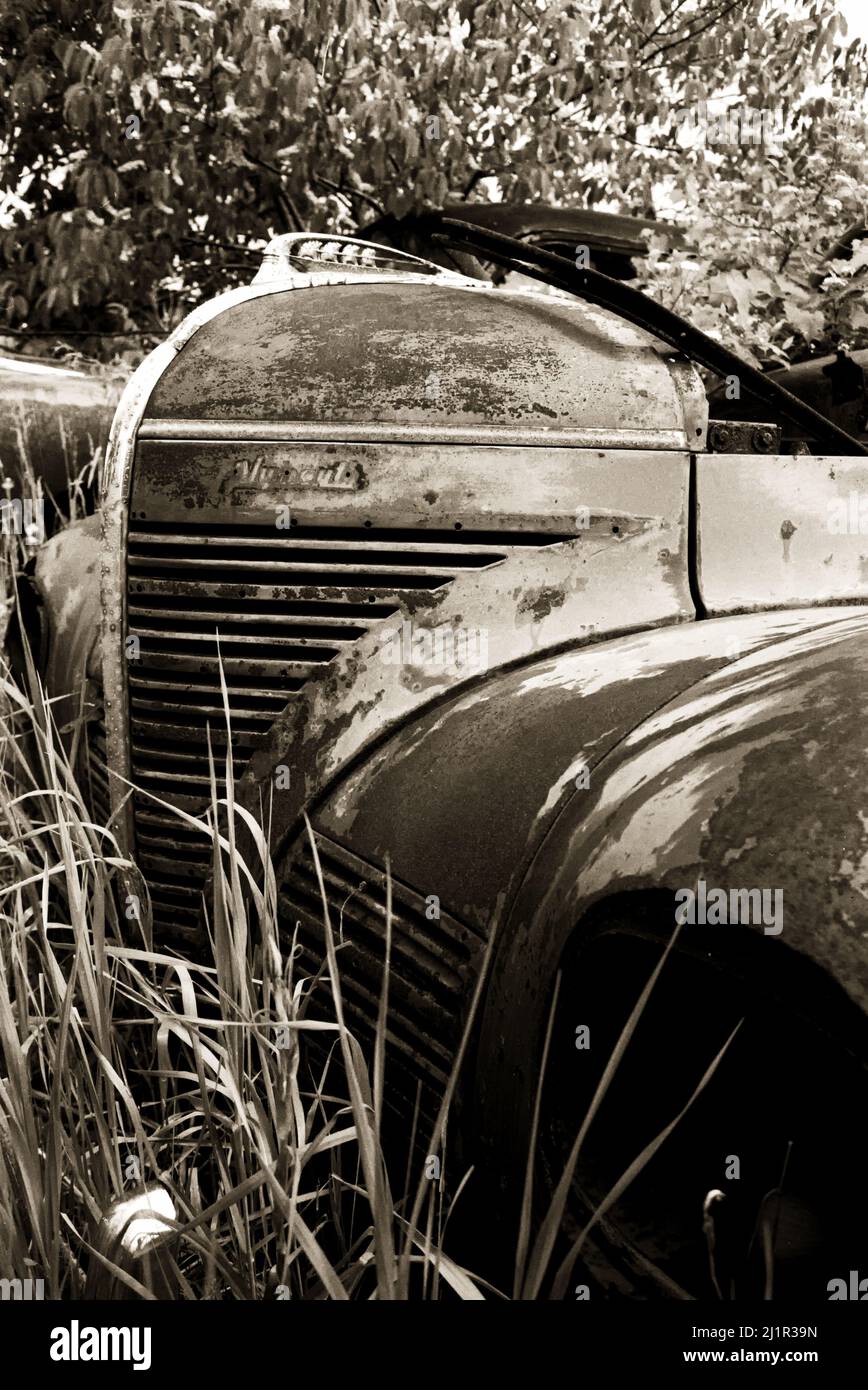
(770,966)
(762,1057)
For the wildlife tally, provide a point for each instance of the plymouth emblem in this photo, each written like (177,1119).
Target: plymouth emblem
(266,474)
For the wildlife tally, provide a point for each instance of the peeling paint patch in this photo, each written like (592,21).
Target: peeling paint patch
(541,602)
(856,873)
(566,779)
(732,855)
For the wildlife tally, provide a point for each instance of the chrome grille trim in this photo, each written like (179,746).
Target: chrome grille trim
(347,431)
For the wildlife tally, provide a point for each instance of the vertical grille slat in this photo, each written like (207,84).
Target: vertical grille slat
(434,962)
(94,771)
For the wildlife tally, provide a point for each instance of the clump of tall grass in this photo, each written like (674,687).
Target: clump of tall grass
(125,1067)
(129,1069)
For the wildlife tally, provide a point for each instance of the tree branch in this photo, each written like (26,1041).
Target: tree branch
(350,193)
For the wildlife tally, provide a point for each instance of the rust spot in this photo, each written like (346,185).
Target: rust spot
(788,530)
(422,598)
(416,679)
(540,602)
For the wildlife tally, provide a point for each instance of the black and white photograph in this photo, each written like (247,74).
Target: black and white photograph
(433,674)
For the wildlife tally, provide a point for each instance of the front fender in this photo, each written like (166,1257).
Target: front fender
(67,580)
(464,797)
(753,778)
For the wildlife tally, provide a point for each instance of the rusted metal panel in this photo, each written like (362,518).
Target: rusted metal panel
(442,354)
(115,517)
(781,531)
(413,485)
(494,801)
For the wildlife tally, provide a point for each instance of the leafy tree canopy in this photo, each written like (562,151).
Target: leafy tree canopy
(149,146)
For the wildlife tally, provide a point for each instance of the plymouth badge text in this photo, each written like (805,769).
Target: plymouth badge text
(262,472)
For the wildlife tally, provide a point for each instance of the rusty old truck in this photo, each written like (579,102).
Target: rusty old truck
(502,610)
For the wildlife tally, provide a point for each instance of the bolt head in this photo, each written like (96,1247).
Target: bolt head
(763,440)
